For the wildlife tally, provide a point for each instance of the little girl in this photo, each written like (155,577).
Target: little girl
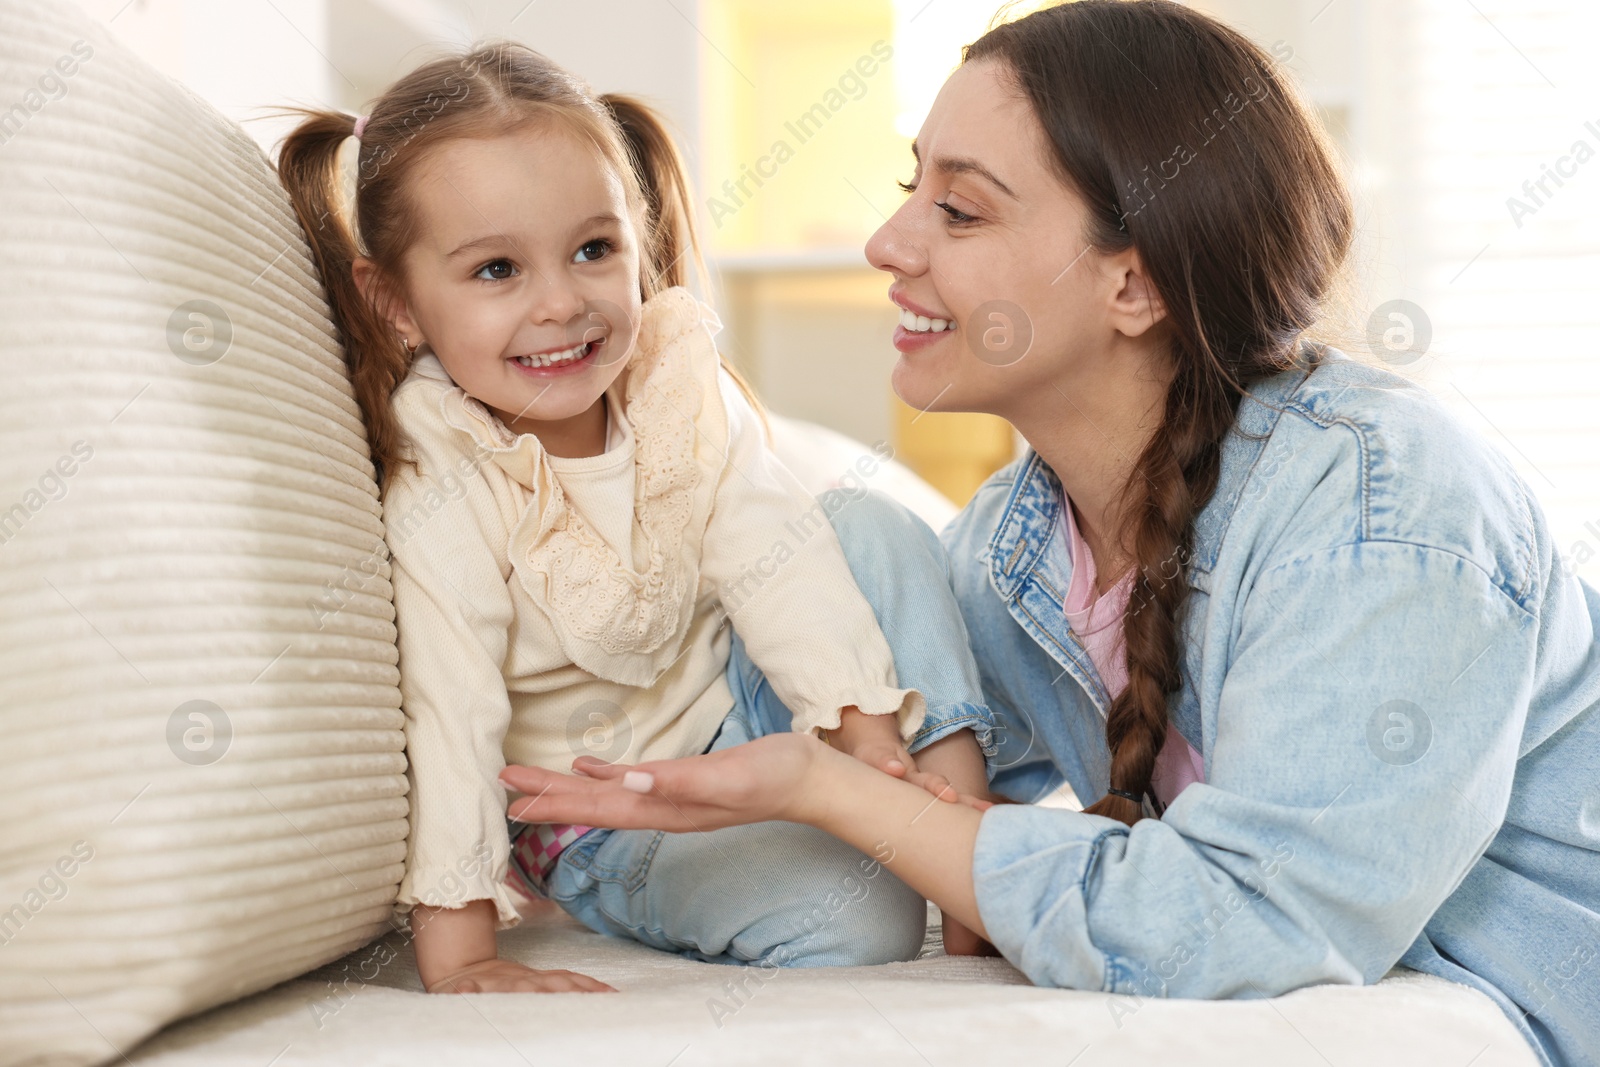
(594,553)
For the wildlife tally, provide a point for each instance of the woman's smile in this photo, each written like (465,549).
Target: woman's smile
(919,328)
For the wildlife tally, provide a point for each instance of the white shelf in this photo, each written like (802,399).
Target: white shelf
(786,261)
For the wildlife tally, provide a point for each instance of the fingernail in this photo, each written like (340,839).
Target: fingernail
(639,781)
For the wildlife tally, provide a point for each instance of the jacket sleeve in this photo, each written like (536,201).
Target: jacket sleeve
(771,552)
(453,613)
(1367,737)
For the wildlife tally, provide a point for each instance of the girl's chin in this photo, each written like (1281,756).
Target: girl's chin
(550,408)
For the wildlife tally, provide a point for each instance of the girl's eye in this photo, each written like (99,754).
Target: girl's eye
(491,266)
(907,187)
(593,250)
(955,216)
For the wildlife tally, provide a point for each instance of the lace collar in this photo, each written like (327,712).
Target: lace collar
(619,618)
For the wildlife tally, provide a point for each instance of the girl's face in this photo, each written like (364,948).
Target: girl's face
(991,242)
(524,277)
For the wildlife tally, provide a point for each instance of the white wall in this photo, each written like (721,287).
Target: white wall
(221,50)
(245,55)
(1452,108)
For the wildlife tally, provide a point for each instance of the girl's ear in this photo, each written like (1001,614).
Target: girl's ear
(1135,305)
(382,296)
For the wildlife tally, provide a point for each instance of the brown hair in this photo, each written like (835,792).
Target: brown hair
(489,89)
(1187,145)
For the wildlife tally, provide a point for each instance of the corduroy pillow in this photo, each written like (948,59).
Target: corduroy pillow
(202,777)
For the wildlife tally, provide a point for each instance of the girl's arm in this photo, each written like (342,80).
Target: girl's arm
(454,614)
(447,940)
(928,844)
(779,572)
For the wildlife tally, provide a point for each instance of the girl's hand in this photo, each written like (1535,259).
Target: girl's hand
(753,782)
(504,976)
(893,759)
(875,741)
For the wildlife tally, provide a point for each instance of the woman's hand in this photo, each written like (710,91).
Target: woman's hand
(504,976)
(753,782)
(791,777)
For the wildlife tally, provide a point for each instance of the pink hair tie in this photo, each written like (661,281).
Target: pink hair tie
(361,125)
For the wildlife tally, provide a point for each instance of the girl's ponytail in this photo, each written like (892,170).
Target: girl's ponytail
(672,246)
(308,167)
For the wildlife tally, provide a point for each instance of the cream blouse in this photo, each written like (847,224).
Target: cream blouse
(549,608)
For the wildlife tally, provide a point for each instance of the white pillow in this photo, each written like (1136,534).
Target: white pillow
(824,459)
(202,778)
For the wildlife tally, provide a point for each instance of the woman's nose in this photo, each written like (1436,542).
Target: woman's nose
(895,248)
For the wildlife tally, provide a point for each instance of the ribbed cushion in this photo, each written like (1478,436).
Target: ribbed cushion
(199,711)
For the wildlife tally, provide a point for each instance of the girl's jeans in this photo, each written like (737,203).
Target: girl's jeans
(779,893)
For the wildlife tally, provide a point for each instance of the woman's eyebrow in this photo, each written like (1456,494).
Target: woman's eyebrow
(963,165)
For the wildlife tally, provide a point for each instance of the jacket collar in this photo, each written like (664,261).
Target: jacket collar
(1027,526)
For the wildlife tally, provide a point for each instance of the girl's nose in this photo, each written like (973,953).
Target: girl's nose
(895,249)
(554,301)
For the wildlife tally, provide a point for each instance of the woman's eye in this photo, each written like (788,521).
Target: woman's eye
(505,263)
(955,216)
(593,250)
(907,187)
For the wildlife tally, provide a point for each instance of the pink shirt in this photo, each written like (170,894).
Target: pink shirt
(1097,622)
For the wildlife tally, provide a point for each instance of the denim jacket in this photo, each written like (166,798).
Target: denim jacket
(1394,682)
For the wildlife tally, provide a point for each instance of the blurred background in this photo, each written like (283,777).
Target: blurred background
(1470,131)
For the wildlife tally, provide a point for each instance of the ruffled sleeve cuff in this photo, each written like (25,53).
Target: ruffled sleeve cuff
(482,886)
(907,705)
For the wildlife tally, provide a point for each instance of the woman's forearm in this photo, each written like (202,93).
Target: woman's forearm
(927,842)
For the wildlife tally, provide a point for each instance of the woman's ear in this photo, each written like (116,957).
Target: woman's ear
(1135,305)
(376,290)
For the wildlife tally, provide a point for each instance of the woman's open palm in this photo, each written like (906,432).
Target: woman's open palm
(753,782)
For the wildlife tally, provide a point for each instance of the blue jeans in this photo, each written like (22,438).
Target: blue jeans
(779,893)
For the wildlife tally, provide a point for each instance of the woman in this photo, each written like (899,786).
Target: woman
(1305,638)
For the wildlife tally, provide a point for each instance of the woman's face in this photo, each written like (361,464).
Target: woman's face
(990,242)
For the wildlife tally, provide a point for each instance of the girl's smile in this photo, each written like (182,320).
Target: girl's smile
(559,362)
